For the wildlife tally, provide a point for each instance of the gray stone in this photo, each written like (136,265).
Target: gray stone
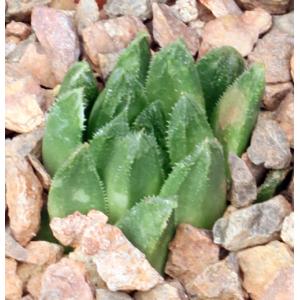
(287,231)
(254,225)
(285,23)
(185,10)
(269,145)
(243,188)
(103,294)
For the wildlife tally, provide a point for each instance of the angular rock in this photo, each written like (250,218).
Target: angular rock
(251,226)
(65,280)
(287,231)
(285,23)
(274,50)
(110,36)
(221,8)
(285,117)
(21,10)
(24,199)
(40,171)
(13,284)
(13,249)
(197,26)
(167,28)
(243,187)
(68,231)
(122,266)
(57,34)
(36,62)
(191,251)
(87,13)
(103,294)
(274,93)
(185,10)
(273,7)
(18,29)
(268,271)
(240,32)
(218,281)
(269,145)
(22,97)
(162,291)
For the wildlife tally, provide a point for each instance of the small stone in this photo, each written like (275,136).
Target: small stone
(240,32)
(267,271)
(285,23)
(221,8)
(110,36)
(273,7)
(107,62)
(24,199)
(103,294)
(274,93)
(87,13)
(285,117)
(122,266)
(218,281)
(69,230)
(258,171)
(269,145)
(197,26)
(191,251)
(19,29)
(56,32)
(243,187)
(22,97)
(13,249)
(254,225)
(287,231)
(167,28)
(40,170)
(65,280)
(21,10)
(274,50)
(162,291)
(185,10)
(64,4)
(13,284)
(36,62)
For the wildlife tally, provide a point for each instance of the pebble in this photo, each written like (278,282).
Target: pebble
(269,145)
(268,271)
(22,98)
(240,32)
(287,231)
(221,8)
(251,226)
(24,199)
(13,284)
(56,32)
(218,281)
(185,10)
(191,251)
(18,29)
(103,294)
(274,93)
(243,187)
(274,50)
(167,28)
(285,23)
(65,280)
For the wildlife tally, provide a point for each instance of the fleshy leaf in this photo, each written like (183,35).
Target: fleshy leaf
(149,225)
(199,182)
(217,70)
(235,114)
(133,171)
(64,129)
(76,186)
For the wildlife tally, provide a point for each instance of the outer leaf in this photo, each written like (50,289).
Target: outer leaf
(187,127)
(76,186)
(236,113)
(217,70)
(64,127)
(172,73)
(149,226)
(133,171)
(124,87)
(199,182)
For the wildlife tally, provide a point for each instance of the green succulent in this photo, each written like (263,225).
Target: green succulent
(150,150)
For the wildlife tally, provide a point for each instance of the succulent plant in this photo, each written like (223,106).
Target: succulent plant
(150,159)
